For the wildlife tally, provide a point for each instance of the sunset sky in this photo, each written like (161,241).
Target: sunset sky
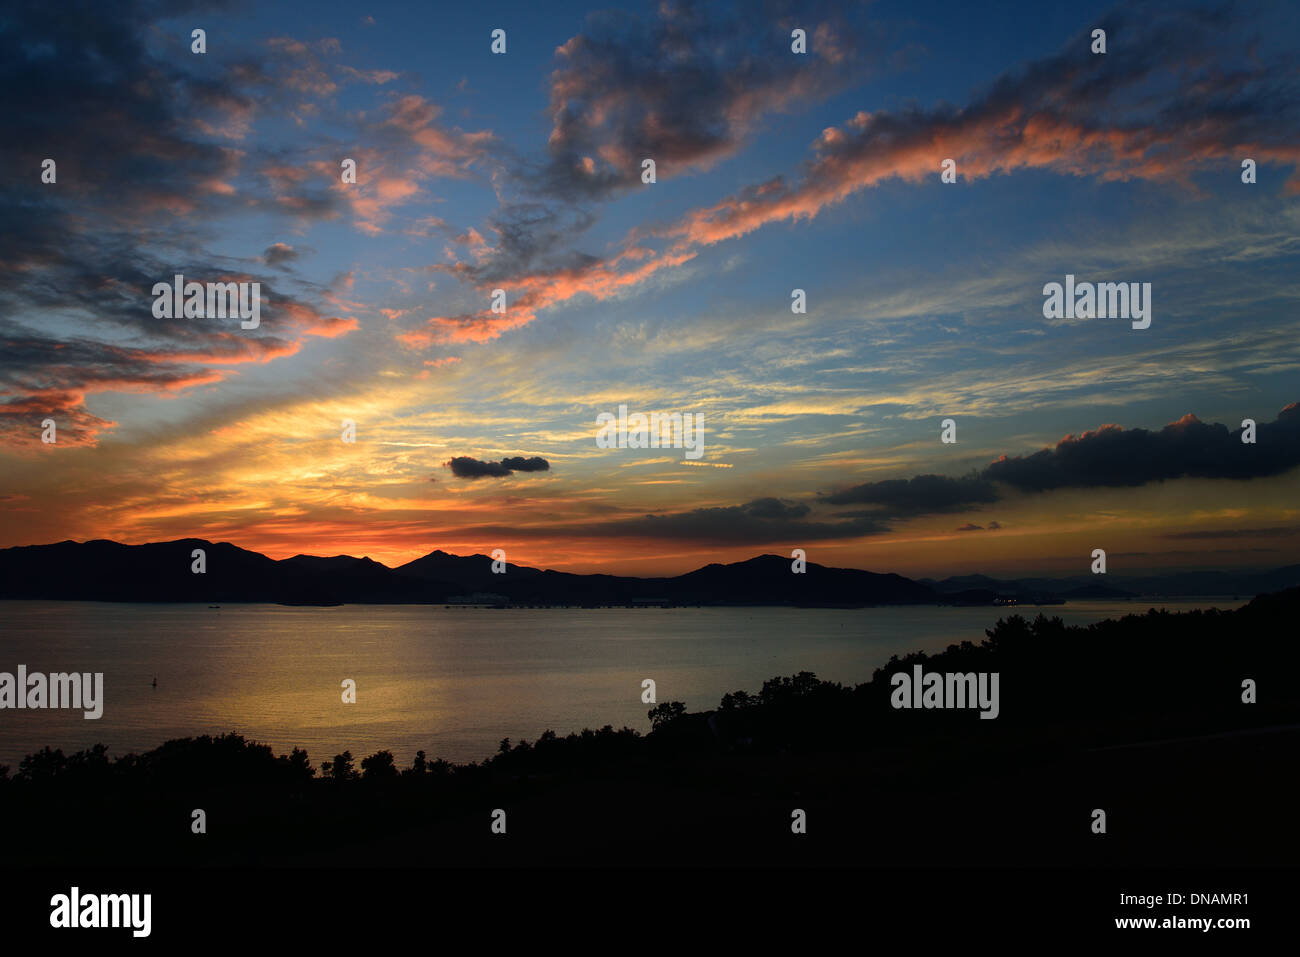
(775,171)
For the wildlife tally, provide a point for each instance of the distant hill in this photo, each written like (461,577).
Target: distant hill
(473,572)
(160,572)
(747,582)
(1111,586)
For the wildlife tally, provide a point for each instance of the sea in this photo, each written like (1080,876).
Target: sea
(452,682)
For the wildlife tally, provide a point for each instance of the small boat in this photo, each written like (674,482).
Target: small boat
(155,681)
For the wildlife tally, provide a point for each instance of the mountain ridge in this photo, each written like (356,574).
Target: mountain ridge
(104,570)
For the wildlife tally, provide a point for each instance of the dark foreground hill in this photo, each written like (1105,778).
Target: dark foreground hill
(1147,719)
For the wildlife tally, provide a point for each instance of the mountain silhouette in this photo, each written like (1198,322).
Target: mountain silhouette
(1183,583)
(103,570)
(473,571)
(162,572)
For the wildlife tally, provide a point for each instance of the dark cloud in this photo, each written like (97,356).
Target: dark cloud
(922,494)
(1277,531)
(530,238)
(1199,553)
(143,134)
(1110,457)
(463,466)
(1114,457)
(685,88)
(82,88)
(762,521)
(972,527)
(520,464)
(775,508)
(279,253)
(42,374)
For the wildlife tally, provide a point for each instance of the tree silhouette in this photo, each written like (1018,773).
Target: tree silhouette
(418,767)
(300,765)
(737,700)
(379,766)
(342,770)
(663,714)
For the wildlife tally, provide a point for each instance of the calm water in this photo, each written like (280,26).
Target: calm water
(452,682)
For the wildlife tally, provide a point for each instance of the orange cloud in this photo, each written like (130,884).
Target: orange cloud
(532,293)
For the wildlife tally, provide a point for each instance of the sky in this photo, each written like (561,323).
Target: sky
(774,171)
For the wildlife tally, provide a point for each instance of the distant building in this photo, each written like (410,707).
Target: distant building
(479,598)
